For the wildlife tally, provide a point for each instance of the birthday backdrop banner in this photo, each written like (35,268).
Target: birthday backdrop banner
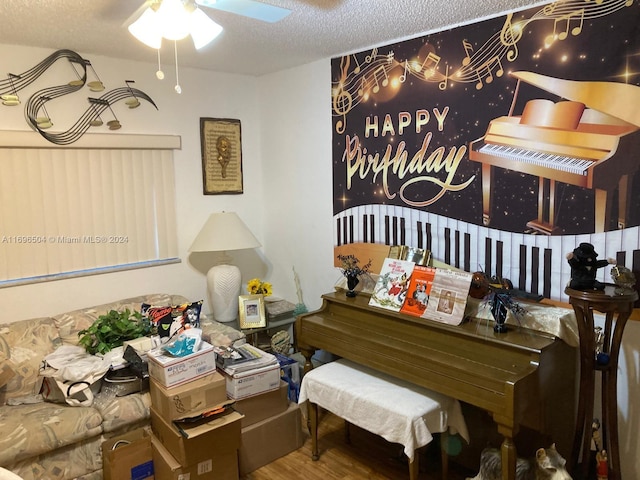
(498,145)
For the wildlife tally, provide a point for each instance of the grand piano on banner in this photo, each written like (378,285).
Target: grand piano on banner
(522,378)
(589,140)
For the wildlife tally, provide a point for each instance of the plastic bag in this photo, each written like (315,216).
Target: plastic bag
(73,376)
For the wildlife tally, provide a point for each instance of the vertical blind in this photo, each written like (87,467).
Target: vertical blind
(81,211)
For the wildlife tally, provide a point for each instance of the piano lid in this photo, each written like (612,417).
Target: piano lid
(619,100)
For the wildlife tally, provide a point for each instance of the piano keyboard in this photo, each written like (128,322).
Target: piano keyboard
(534,263)
(578,166)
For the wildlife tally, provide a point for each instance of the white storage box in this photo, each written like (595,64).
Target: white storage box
(169,371)
(253,382)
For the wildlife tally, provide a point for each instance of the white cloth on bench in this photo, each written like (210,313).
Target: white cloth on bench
(398,411)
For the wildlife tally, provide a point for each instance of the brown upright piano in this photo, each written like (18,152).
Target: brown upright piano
(521,378)
(585,140)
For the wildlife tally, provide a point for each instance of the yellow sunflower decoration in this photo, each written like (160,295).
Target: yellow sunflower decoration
(255,286)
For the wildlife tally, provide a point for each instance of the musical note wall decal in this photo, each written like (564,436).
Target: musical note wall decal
(36,111)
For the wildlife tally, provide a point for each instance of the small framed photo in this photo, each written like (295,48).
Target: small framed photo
(252,311)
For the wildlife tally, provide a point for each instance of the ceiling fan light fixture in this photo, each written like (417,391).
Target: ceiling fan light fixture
(147,29)
(203,29)
(174,19)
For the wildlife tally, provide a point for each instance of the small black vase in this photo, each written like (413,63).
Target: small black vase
(352,282)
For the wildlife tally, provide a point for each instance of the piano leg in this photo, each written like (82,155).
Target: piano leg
(487,172)
(508,450)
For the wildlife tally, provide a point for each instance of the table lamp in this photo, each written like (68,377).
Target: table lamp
(223,232)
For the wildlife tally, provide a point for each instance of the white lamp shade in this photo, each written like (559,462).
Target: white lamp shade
(203,29)
(222,232)
(223,287)
(147,29)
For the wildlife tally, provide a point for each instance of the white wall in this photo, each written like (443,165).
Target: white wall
(287,199)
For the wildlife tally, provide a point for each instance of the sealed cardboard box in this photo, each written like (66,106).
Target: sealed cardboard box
(270,439)
(199,441)
(264,405)
(128,456)
(170,371)
(219,467)
(253,382)
(188,399)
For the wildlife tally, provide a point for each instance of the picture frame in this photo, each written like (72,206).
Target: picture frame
(251,311)
(221,147)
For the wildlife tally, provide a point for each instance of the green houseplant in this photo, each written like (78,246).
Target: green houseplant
(112,329)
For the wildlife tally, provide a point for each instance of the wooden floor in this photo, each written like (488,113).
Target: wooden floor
(367,457)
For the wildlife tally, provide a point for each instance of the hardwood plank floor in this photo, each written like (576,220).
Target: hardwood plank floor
(368,456)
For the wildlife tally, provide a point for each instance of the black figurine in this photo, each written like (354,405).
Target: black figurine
(584,264)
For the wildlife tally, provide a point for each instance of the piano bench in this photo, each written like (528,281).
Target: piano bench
(398,411)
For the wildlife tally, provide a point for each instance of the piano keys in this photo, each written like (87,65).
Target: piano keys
(523,378)
(588,140)
(534,263)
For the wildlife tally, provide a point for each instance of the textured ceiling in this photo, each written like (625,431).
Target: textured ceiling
(315,29)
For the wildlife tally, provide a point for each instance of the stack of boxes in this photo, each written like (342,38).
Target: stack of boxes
(196,432)
(208,423)
(271,426)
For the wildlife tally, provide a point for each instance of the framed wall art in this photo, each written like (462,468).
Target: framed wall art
(252,311)
(221,145)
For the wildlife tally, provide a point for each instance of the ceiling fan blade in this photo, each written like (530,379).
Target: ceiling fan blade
(248,8)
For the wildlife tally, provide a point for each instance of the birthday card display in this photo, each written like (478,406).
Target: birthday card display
(392,285)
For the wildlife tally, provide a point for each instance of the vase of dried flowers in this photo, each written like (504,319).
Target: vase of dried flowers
(352,271)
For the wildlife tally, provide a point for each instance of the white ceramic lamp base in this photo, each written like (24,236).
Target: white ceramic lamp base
(223,286)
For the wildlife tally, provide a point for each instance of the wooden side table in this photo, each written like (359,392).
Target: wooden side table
(617,305)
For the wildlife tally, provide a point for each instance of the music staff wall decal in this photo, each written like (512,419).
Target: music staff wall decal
(36,112)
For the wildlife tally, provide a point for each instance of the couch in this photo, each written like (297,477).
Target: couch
(43,440)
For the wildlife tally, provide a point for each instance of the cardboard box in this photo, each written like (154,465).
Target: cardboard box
(253,382)
(220,467)
(128,456)
(200,441)
(188,399)
(264,405)
(270,439)
(170,371)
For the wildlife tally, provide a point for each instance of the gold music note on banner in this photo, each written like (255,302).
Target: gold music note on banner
(468,49)
(403,77)
(443,84)
(509,37)
(372,56)
(385,82)
(563,34)
(357,69)
(361,89)
(429,65)
(489,74)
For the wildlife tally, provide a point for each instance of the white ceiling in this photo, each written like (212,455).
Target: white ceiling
(315,29)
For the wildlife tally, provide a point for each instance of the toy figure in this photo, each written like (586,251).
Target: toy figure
(584,264)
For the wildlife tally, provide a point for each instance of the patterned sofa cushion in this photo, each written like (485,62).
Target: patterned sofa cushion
(118,412)
(24,344)
(70,323)
(30,430)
